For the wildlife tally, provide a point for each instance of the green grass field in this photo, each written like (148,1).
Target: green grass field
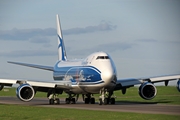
(14,112)
(165,95)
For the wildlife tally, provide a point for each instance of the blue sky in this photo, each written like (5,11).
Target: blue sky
(142,37)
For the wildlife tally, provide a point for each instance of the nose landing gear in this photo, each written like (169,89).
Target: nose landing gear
(106,97)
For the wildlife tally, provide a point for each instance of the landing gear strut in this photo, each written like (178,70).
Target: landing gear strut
(106,97)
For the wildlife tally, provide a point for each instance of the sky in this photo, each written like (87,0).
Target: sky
(142,36)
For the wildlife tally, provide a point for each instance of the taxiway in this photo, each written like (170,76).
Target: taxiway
(136,107)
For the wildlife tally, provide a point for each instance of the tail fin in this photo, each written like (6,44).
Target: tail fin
(61,48)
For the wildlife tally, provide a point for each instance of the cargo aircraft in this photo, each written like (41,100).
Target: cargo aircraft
(96,74)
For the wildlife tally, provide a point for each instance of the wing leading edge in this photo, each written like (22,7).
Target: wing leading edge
(33,66)
(125,83)
(37,83)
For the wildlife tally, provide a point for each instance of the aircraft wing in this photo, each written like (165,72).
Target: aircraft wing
(28,88)
(125,83)
(33,65)
(38,84)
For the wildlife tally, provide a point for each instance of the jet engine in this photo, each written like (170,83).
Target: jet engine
(1,86)
(178,85)
(25,92)
(147,91)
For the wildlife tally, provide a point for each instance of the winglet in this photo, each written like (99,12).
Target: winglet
(61,48)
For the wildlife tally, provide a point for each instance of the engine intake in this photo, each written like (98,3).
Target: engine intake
(147,91)
(25,92)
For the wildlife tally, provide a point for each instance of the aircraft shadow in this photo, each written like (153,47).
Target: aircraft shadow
(122,102)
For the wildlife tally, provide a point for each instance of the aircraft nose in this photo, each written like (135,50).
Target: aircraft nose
(108,75)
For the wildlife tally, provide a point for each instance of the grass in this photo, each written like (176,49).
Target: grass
(166,95)
(14,112)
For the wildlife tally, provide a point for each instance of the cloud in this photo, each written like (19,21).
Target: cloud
(27,34)
(39,39)
(111,47)
(24,53)
(104,26)
(177,42)
(108,47)
(174,42)
(45,41)
(146,40)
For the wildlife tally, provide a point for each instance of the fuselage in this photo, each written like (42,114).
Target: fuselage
(89,75)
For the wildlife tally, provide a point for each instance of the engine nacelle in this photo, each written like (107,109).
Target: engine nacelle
(147,91)
(25,92)
(1,86)
(178,85)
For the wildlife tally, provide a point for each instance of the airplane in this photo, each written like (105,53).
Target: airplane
(96,74)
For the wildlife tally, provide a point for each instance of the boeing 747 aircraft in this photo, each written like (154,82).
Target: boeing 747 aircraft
(96,74)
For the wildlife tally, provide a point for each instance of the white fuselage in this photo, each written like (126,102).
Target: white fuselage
(90,75)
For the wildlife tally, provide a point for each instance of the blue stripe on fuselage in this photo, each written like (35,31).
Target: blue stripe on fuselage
(82,74)
(56,68)
(87,83)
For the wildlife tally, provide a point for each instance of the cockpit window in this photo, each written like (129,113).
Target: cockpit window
(102,57)
(106,57)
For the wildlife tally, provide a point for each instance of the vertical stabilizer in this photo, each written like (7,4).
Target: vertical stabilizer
(61,48)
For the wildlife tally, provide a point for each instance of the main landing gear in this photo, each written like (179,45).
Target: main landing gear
(53,99)
(106,97)
(53,96)
(71,99)
(88,99)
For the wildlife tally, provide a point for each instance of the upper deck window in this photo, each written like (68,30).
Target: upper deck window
(102,57)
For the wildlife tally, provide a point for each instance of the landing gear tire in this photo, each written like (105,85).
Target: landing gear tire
(100,101)
(57,101)
(89,100)
(86,100)
(51,101)
(71,98)
(106,101)
(73,101)
(112,101)
(67,101)
(92,100)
